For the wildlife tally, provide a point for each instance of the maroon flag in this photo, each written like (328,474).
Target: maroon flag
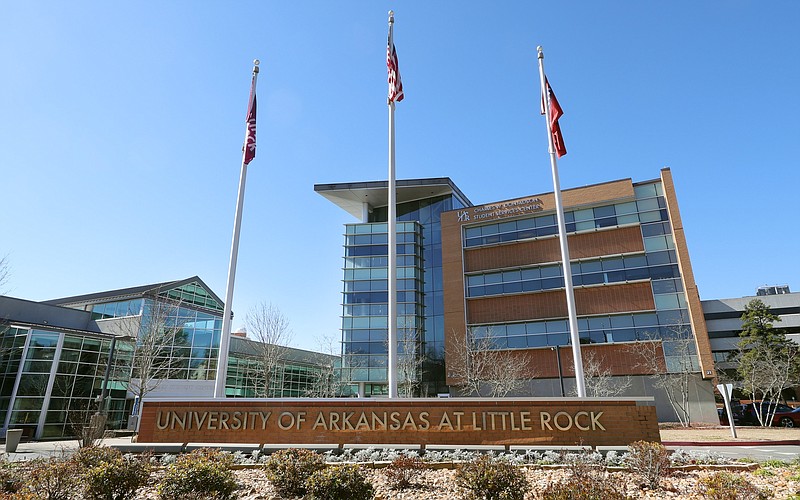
(395,84)
(250,138)
(555,113)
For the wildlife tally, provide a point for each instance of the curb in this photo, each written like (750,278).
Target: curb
(787,442)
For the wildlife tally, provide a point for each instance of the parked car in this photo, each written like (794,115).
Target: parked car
(737,410)
(746,414)
(787,418)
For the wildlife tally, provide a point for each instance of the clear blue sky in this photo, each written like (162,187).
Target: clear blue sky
(121,127)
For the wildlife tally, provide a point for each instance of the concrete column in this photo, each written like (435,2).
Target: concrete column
(365,212)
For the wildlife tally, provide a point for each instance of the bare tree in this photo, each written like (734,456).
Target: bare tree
(160,346)
(327,380)
(410,358)
(768,361)
(598,379)
(484,370)
(672,364)
(270,329)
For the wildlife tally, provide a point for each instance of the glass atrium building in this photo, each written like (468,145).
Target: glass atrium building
(65,359)
(420,289)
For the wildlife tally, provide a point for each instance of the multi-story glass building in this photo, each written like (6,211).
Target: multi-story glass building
(420,288)
(65,359)
(494,270)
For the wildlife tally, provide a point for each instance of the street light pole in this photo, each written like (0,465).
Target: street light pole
(560,374)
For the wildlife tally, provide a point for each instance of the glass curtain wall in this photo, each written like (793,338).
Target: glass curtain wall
(12,345)
(290,380)
(365,309)
(55,390)
(187,339)
(422,319)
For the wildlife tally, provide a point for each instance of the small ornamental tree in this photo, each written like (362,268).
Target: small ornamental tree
(768,361)
(268,326)
(485,370)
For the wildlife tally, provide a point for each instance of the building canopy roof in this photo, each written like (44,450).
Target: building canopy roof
(350,196)
(190,290)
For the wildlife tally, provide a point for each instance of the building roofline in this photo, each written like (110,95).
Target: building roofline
(350,196)
(42,315)
(129,292)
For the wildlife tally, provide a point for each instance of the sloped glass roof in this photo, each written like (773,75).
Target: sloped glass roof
(195,294)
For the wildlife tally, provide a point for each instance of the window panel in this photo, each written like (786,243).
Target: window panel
(517,342)
(605,211)
(531,286)
(537,340)
(654,216)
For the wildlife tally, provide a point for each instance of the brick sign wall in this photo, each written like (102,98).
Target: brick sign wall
(462,421)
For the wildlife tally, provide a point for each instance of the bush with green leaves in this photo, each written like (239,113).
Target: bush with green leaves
(203,473)
(728,486)
(492,479)
(289,469)
(118,478)
(403,472)
(650,461)
(339,482)
(53,479)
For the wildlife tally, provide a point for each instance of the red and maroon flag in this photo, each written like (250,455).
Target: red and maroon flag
(555,113)
(395,84)
(250,138)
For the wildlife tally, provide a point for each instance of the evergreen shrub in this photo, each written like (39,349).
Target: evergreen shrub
(289,469)
(339,482)
(201,474)
(492,479)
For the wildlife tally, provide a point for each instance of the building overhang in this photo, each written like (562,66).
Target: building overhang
(351,196)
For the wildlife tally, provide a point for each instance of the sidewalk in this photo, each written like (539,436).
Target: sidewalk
(45,449)
(721,436)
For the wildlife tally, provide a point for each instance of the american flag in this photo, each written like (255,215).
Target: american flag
(250,138)
(395,84)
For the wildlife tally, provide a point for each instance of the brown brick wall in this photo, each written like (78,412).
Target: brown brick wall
(507,421)
(581,246)
(690,287)
(607,299)
(614,359)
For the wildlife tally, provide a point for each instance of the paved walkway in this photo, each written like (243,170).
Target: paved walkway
(46,449)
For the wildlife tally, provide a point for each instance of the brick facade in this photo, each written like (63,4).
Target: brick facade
(615,298)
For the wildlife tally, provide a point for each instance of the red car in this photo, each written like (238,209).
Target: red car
(787,418)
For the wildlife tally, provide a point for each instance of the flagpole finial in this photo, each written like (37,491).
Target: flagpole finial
(540,51)
(391,17)
(256,62)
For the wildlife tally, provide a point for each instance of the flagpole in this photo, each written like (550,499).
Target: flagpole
(392,229)
(562,238)
(224,341)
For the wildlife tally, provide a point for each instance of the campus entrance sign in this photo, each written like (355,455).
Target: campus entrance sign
(449,421)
